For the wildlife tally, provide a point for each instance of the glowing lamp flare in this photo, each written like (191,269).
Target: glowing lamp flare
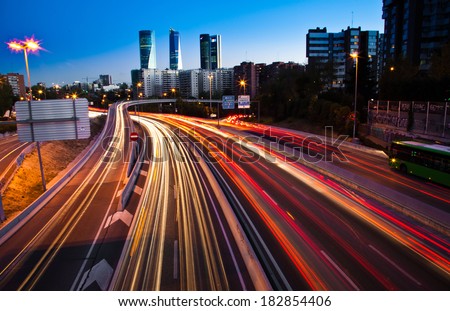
(30,44)
(15,46)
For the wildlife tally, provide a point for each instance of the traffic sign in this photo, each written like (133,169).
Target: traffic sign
(243,101)
(134,136)
(228,102)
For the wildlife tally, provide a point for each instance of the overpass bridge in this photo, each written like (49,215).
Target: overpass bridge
(174,100)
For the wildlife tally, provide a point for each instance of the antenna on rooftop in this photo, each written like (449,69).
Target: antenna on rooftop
(352,19)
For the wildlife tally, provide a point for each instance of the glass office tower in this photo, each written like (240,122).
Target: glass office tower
(175,50)
(210,52)
(147,47)
(205,52)
(216,52)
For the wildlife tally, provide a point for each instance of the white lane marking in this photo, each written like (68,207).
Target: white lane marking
(108,222)
(138,190)
(340,271)
(144,173)
(273,201)
(119,193)
(395,265)
(125,216)
(100,273)
(12,151)
(175,259)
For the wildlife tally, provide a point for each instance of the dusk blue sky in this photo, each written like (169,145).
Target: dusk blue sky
(83,39)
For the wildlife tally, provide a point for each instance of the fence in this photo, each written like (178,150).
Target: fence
(414,117)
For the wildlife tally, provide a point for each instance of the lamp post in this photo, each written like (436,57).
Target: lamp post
(355,57)
(30,44)
(138,85)
(173,95)
(242,83)
(210,77)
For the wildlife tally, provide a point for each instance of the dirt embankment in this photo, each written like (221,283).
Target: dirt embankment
(26,185)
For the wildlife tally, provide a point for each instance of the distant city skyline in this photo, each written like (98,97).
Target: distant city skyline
(83,46)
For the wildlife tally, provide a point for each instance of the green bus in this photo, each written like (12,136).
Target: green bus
(429,161)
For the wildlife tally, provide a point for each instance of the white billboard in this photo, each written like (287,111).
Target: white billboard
(57,119)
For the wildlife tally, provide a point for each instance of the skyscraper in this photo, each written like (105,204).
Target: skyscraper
(147,47)
(210,51)
(205,51)
(216,52)
(175,50)
(415,29)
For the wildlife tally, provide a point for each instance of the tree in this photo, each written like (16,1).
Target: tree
(403,81)
(6,96)
(289,94)
(397,81)
(440,63)
(440,72)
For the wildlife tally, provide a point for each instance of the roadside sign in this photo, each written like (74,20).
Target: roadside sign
(228,102)
(243,101)
(134,136)
(53,119)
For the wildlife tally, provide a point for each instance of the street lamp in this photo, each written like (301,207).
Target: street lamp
(173,95)
(210,77)
(29,44)
(137,89)
(242,83)
(354,55)
(40,94)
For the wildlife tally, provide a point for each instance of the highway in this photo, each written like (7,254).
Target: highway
(347,241)
(181,239)
(50,250)
(223,209)
(79,240)
(365,165)
(10,149)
